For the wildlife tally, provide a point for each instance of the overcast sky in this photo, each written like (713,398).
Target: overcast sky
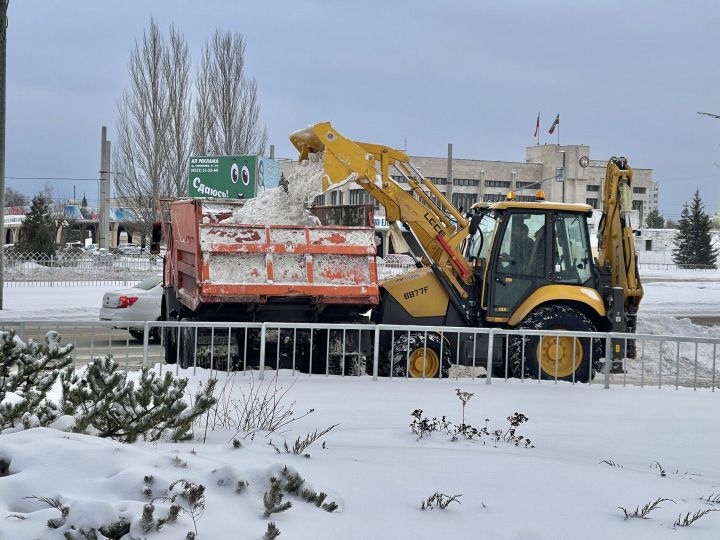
(626,78)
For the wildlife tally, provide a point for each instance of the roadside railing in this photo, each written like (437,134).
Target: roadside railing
(392,351)
(70,268)
(672,266)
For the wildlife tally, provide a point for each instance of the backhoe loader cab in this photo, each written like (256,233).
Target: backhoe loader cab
(519,249)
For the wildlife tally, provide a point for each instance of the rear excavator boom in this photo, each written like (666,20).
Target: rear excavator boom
(616,245)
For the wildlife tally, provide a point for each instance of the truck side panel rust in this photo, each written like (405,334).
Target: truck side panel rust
(215,262)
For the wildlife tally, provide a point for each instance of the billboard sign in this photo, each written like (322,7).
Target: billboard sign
(231,177)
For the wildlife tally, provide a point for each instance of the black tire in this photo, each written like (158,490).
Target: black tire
(137,335)
(169,338)
(555,317)
(421,362)
(187,345)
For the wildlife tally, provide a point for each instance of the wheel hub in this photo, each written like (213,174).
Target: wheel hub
(424,362)
(556,355)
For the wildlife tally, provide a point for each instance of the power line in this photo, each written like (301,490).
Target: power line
(52,178)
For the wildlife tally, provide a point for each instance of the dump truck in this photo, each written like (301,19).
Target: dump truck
(218,270)
(513,265)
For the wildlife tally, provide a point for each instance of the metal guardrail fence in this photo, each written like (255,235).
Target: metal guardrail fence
(672,266)
(72,268)
(382,350)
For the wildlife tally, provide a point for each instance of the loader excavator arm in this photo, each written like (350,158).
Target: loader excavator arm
(616,245)
(423,208)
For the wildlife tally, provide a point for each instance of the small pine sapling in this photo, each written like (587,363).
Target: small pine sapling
(294,486)
(272,499)
(272,532)
(645,510)
(439,500)
(712,498)
(53,523)
(104,401)
(688,519)
(27,373)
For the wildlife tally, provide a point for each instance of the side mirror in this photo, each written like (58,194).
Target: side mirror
(156,238)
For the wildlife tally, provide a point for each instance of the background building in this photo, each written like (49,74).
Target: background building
(467,181)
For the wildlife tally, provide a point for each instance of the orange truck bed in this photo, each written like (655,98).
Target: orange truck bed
(211,261)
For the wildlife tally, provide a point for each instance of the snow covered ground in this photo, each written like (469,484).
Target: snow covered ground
(80,303)
(378,473)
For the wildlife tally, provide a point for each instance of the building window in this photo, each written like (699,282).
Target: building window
(465,182)
(319,200)
(525,198)
(648,245)
(639,190)
(497,183)
(593,187)
(336,197)
(637,205)
(360,196)
(463,200)
(493,197)
(399,179)
(525,185)
(592,202)
(438,181)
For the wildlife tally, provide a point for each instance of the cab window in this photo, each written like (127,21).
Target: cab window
(522,250)
(572,257)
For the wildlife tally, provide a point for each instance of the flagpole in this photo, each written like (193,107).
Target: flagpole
(558,128)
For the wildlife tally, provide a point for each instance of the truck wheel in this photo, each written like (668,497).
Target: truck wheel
(169,338)
(422,358)
(549,356)
(137,335)
(187,345)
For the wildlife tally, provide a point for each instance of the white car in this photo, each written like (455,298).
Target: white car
(139,303)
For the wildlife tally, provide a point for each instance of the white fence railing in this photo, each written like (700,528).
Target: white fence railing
(672,266)
(74,268)
(387,350)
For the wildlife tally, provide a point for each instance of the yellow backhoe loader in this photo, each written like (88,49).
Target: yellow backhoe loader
(512,265)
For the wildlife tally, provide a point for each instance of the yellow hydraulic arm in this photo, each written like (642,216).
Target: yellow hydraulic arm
(369,165)
(616,245)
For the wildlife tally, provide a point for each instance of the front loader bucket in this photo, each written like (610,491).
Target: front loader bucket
(337,152)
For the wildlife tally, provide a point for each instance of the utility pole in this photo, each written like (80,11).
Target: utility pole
(272,151)
(104,202)
(3,47)
(449,189)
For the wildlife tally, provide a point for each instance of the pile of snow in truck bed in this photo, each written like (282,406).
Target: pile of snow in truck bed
(277,207)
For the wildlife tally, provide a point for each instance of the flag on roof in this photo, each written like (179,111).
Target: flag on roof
(555,124)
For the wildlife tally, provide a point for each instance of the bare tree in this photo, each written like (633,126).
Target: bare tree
(153,123)
(177,75)
(227,110)
(14,198)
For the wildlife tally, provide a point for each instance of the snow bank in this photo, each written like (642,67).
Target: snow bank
(280,208)
(378,472)
(665,358)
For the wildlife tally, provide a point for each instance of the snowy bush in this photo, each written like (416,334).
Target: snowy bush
(106,404)
(27,372)
(101,400)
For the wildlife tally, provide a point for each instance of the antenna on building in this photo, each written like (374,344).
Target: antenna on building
(405,149)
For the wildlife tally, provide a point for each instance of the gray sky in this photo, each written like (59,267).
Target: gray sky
(626,77)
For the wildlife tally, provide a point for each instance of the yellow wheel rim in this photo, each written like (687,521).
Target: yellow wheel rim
(556,355)
(424,362)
